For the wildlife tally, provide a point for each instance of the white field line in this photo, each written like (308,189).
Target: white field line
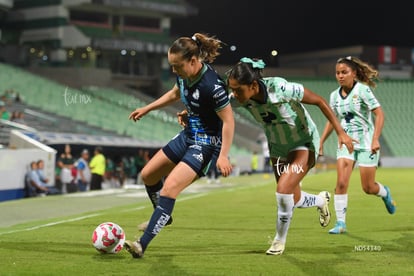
(97,214)
(85,217)
(50,224)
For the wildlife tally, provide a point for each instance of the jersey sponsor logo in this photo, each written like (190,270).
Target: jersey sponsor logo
(204,139)
(198,157)
(219,94)
(355,100)
(215,140)
(196,94)
(309,201)
(216,87)
(195,104)
(196,147)
(160,223)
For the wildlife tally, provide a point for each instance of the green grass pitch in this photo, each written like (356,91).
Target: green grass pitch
(222,231)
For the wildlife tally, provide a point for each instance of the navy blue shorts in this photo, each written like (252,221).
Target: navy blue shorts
(198,156)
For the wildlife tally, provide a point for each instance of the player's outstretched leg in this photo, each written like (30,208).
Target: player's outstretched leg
(158,220)
(154,195)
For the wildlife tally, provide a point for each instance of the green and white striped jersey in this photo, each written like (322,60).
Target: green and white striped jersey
(284,119)
(355,113)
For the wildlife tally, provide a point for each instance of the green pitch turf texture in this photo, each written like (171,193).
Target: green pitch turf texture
(220,231)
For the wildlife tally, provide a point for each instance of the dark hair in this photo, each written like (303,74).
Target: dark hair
(99,149)
(364,72)
(202,46)
(244,73)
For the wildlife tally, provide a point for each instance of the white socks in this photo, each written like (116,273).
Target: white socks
(341,205)
(309,200)
(285,205)
(382,192)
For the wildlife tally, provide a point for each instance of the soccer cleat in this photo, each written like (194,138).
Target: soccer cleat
(277,248)
(324,213)
(389,202)
(339,228)
(134,248)
(143,226)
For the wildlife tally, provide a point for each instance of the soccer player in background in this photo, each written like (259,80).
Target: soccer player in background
(206,138)
(292,136)
(354,103)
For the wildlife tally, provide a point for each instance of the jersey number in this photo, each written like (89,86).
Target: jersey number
(268,117)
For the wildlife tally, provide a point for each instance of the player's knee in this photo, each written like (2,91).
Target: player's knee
(370,189)
(341,186)
(144,176)
(149,178)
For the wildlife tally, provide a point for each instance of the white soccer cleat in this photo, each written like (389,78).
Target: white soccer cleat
(324,213)
(276,248)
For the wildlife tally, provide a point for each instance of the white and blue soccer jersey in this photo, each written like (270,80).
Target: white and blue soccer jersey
(203,98)
(355,113)
(286,122)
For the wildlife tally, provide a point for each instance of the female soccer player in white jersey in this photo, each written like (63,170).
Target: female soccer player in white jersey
(292,137)
(206,138)
(354,103)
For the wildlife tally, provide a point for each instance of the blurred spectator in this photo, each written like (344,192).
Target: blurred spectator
(109,170)
(35,185)
(127,166)
(83,176)
(119,174)
(14,116)
(8,96)
(18,117)
(140,160)
(40,171)
(262,139)
(254,163)
(66,164)
(58,182)
(133,168)
(97,165)
(4,114)
(18,98)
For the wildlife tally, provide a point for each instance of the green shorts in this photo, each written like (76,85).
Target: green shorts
(365,158)
(282,151)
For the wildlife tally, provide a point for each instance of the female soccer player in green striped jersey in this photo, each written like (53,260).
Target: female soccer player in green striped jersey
(354,103)
(291,134)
